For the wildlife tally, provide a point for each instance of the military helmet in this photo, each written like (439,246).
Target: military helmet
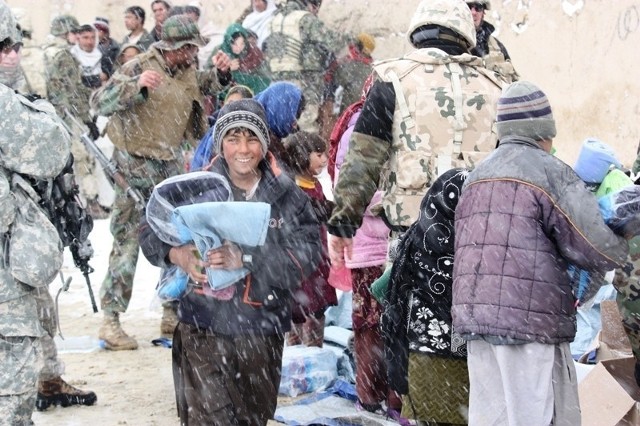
(7,24)
(452,14)
(485,3)
(64,24)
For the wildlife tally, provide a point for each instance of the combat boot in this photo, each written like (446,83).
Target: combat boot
(113,335)
(169,321)
(58,392)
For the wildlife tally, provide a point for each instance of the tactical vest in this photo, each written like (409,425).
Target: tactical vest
(285,43)
(496,62)
(157,127)
(444,117)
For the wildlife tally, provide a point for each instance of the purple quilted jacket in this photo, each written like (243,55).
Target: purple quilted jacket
(523,215)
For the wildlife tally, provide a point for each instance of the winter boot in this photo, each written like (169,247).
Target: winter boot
(58,392)
(113,335)
(169,321)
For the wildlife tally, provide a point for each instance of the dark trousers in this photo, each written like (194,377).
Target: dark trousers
(225,380)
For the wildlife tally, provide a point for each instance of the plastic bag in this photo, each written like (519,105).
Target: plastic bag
(621,210)
(307,369)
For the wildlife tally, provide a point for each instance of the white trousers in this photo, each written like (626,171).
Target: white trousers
(522,385)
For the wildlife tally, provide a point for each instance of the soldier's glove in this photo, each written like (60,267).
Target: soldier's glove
(94,133)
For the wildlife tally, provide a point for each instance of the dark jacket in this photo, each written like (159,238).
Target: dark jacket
(522,217)
(261,303)
(483,34)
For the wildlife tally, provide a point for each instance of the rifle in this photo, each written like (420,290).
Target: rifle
(60,199)
(115,175)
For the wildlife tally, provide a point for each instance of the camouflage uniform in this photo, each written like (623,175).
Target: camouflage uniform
(426,113)
(144,42)
(300,49)
(66,92)
(41,153)
(491,50)
(628,286)
(148,129)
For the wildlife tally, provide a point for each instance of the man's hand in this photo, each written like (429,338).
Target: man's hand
(337,247)
(228,256)
(187,258)
(150,79)
(221,61)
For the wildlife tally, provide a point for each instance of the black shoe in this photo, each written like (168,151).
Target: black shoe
(58,392)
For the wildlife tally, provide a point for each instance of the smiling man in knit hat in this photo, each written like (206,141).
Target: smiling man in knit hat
(155,104)
(523,216)
(228,346)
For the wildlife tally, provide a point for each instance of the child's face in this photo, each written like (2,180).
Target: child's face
(243,152)
(317,162)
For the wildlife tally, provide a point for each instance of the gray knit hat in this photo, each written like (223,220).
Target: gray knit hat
(524,110)
(246,113)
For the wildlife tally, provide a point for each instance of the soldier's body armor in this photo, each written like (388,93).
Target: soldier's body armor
(444,117)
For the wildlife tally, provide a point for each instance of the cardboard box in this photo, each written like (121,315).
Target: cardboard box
(609,394)
(611,341)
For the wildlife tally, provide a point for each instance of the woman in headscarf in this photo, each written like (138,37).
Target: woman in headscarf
(426,359)
(248,67)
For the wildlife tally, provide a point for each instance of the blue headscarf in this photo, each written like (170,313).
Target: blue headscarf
(281,101)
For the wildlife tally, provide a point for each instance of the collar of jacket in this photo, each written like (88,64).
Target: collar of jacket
(519,140)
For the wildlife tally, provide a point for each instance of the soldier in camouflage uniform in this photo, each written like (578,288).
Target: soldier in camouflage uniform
(427,112)
(52,389)
(155,104)
(35,146)
(11,73)
(628,299)
(300,49)
(488,47)
(69,95)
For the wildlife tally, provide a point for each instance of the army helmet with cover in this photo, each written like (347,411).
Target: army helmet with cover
(485,3)
(8,29)
(453,15)
(64,24)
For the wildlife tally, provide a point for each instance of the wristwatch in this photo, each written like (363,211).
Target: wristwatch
(247,259)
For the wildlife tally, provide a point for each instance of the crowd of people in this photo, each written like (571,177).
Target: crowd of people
(456,222)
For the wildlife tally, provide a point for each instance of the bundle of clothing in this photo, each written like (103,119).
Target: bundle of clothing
(198,208)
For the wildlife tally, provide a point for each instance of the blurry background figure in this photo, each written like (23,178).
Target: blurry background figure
(134,17)
(489,48)
(160,10)
(68,94)
(127,52)
(107,45)
(259,20)
(295,29)
(88,54)
(344,80)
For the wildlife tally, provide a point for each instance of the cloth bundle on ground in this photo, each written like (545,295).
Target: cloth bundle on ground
(197,208)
